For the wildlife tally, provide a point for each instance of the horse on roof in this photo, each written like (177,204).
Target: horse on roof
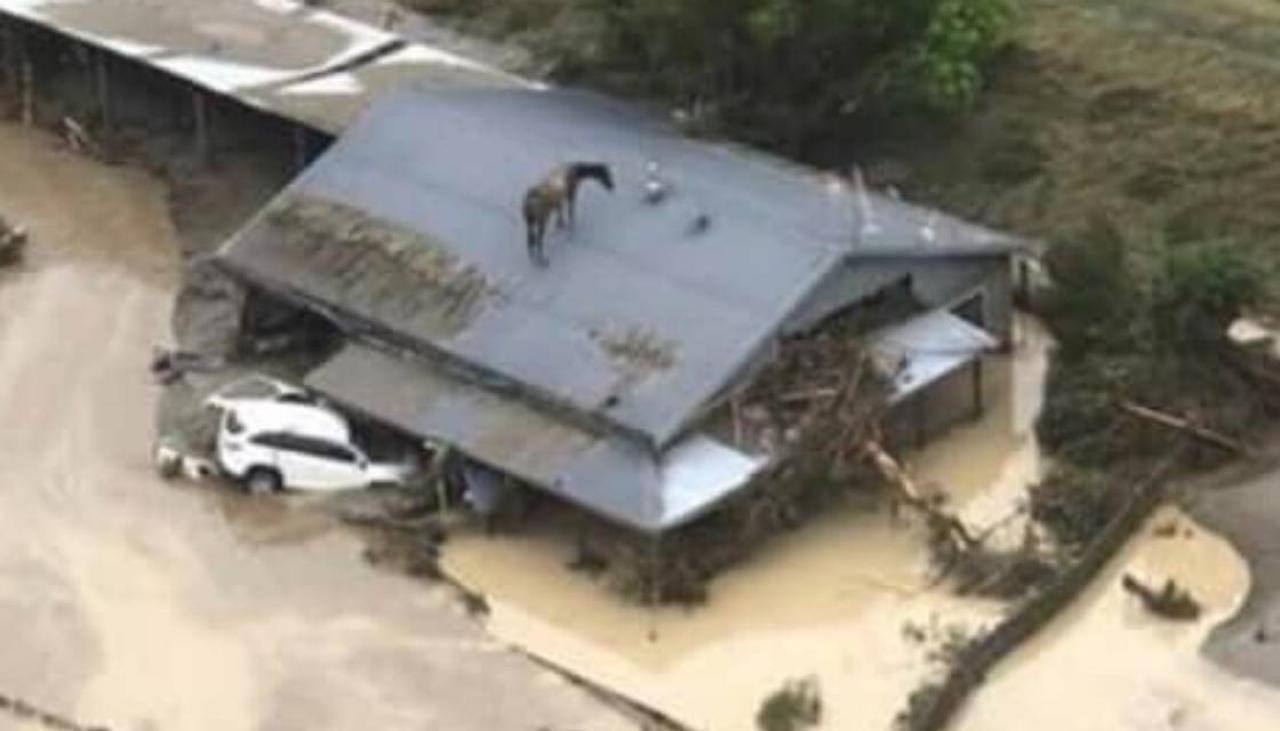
(556,194)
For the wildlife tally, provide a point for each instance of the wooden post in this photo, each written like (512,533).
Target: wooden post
(200,109)
(918,411)
(12,66)
(300,146)
(102,83)
(28,86)
(978,405)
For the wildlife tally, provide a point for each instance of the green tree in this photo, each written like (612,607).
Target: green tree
(795,67)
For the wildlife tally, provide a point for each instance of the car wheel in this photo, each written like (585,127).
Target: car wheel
(263,481)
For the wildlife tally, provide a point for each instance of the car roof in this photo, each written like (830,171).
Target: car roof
(305,419)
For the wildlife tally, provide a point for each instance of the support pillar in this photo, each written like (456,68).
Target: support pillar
(300,146)
(28,84)
(200,110)
(918,411)
(12,64)
(979,406)
(102,83)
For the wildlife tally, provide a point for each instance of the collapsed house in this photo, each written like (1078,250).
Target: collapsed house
(592,379)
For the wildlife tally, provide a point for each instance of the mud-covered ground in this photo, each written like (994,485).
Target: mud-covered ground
(1247,512)
(139,604)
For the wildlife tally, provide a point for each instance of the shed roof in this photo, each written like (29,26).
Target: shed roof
(606,475)
(306,64)
(927,348)
(411,221)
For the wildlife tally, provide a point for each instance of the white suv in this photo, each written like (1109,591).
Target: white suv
(284,441)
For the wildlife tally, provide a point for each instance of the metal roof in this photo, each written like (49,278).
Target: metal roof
(305,64)
(637,322)
(927,348)
(608,476)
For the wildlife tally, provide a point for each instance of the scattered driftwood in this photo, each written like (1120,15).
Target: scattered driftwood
(946,524)
(13,243)
(1202,433)
(79,139)
(1171,601)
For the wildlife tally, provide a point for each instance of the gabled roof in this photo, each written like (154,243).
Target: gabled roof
(411,223)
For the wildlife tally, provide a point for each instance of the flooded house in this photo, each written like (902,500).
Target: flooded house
(592,377)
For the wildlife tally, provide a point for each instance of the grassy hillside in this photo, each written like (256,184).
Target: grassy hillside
(1165,117)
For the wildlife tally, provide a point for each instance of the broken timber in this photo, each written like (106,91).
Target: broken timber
(937,708)
(1202,433)
(956,532)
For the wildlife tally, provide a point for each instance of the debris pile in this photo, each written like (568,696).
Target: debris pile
(13,243)
(816,409)
(393,267)
(1171,601)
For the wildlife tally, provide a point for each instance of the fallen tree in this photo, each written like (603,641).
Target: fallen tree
(932,706)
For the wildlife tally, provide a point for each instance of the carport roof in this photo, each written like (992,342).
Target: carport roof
(305,64)
(639,321)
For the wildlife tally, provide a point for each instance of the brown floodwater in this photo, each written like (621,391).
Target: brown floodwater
(140,604)
(831,601)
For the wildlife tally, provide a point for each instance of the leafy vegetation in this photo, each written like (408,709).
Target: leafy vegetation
(793,707)
(1147,324)
(786,73)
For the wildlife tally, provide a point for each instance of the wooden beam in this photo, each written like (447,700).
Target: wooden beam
(300,146)
(200,111)
(978,405)
(12,63)
(28,86)
(1178,423)
(103,87)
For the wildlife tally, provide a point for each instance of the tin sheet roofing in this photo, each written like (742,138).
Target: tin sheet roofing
(641,318)
(610,477)
(927,348)
(637,321)
(276,55)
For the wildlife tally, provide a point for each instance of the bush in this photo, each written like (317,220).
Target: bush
(795,706)
(1096,300)
(1147,325)
(1203,288)
(1073,504)
(788,73)
(961,37)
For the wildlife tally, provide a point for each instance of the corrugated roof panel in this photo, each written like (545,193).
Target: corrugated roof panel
(926,348)
(271,54)
(614,478)
(636,319)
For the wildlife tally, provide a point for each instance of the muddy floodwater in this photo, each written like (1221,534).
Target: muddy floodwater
(138,604)
(832,600)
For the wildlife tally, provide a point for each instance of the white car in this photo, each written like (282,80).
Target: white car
(292,440)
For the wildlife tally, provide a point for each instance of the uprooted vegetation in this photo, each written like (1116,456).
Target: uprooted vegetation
(1145,383)
(795,706)
(812,407)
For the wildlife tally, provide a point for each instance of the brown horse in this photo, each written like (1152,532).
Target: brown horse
(555,195)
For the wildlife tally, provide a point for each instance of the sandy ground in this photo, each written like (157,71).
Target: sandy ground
(136,604)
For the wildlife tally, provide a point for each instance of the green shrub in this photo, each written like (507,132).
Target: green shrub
(1074,504)
(795,706)
(960,39)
